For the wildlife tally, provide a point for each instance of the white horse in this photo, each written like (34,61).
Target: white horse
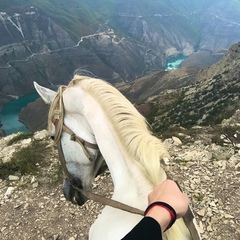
(98,113)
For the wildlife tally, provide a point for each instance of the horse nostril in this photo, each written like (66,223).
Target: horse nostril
(52,137)
(68,190)
(70,193)
(80,199)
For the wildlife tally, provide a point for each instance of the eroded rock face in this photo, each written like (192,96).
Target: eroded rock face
(219,21)
(34,116)
(189,95)
(36,48)
(207,172)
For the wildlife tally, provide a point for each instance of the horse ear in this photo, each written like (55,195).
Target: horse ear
(45,93)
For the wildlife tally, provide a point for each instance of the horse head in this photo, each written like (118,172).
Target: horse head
(78,152)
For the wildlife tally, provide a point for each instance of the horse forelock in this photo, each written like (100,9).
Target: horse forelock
(133,131)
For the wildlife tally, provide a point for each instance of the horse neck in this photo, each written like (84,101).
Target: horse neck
(130,186)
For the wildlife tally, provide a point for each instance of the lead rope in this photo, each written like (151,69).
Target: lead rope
(188,218)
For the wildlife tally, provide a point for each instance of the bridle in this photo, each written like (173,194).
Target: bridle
(89,195)
(57,119)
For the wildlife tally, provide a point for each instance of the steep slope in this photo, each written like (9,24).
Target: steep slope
(212,96)
(186,97)
(43,50)
(119,41)
(115,40)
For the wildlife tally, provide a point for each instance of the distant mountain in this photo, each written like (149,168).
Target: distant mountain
(117,40)
(189,96)
(185,97)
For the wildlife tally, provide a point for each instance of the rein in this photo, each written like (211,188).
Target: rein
(108,201)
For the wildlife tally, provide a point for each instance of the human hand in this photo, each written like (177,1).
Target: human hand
(167,192)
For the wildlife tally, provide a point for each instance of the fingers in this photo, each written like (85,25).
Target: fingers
(170,193)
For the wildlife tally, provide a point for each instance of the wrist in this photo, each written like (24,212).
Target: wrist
(163,213)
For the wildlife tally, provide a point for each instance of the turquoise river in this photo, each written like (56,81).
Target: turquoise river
(9,115)
(174,62)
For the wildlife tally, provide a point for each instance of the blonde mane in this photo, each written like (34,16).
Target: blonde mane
(131,126)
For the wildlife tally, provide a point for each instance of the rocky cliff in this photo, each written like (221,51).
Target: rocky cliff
(186,98)
(47,41)
(36,48)
(205,164)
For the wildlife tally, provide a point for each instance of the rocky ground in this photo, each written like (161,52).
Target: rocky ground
(32,206)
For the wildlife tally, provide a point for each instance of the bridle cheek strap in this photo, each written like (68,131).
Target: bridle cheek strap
(77,139)
(65,171)
(83,143)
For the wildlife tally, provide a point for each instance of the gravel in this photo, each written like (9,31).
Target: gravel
(33,207)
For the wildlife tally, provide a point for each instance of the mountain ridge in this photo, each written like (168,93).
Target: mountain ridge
(207,98)
(145,33)
(185,97)
(118,41)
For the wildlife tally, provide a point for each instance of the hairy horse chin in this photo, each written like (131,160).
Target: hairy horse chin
(68,190)
(80,199)
(71,194)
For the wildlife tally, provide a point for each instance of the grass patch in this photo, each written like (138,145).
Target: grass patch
(173,131)
(25,161)
(19,137)
(230,133)
(199,197)
(57,175)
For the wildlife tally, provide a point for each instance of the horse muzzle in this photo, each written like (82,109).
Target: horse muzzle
(71,194)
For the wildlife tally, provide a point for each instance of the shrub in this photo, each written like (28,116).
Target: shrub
(19,137)
(25,160)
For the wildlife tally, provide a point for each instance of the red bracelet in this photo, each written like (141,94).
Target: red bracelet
(168,208)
